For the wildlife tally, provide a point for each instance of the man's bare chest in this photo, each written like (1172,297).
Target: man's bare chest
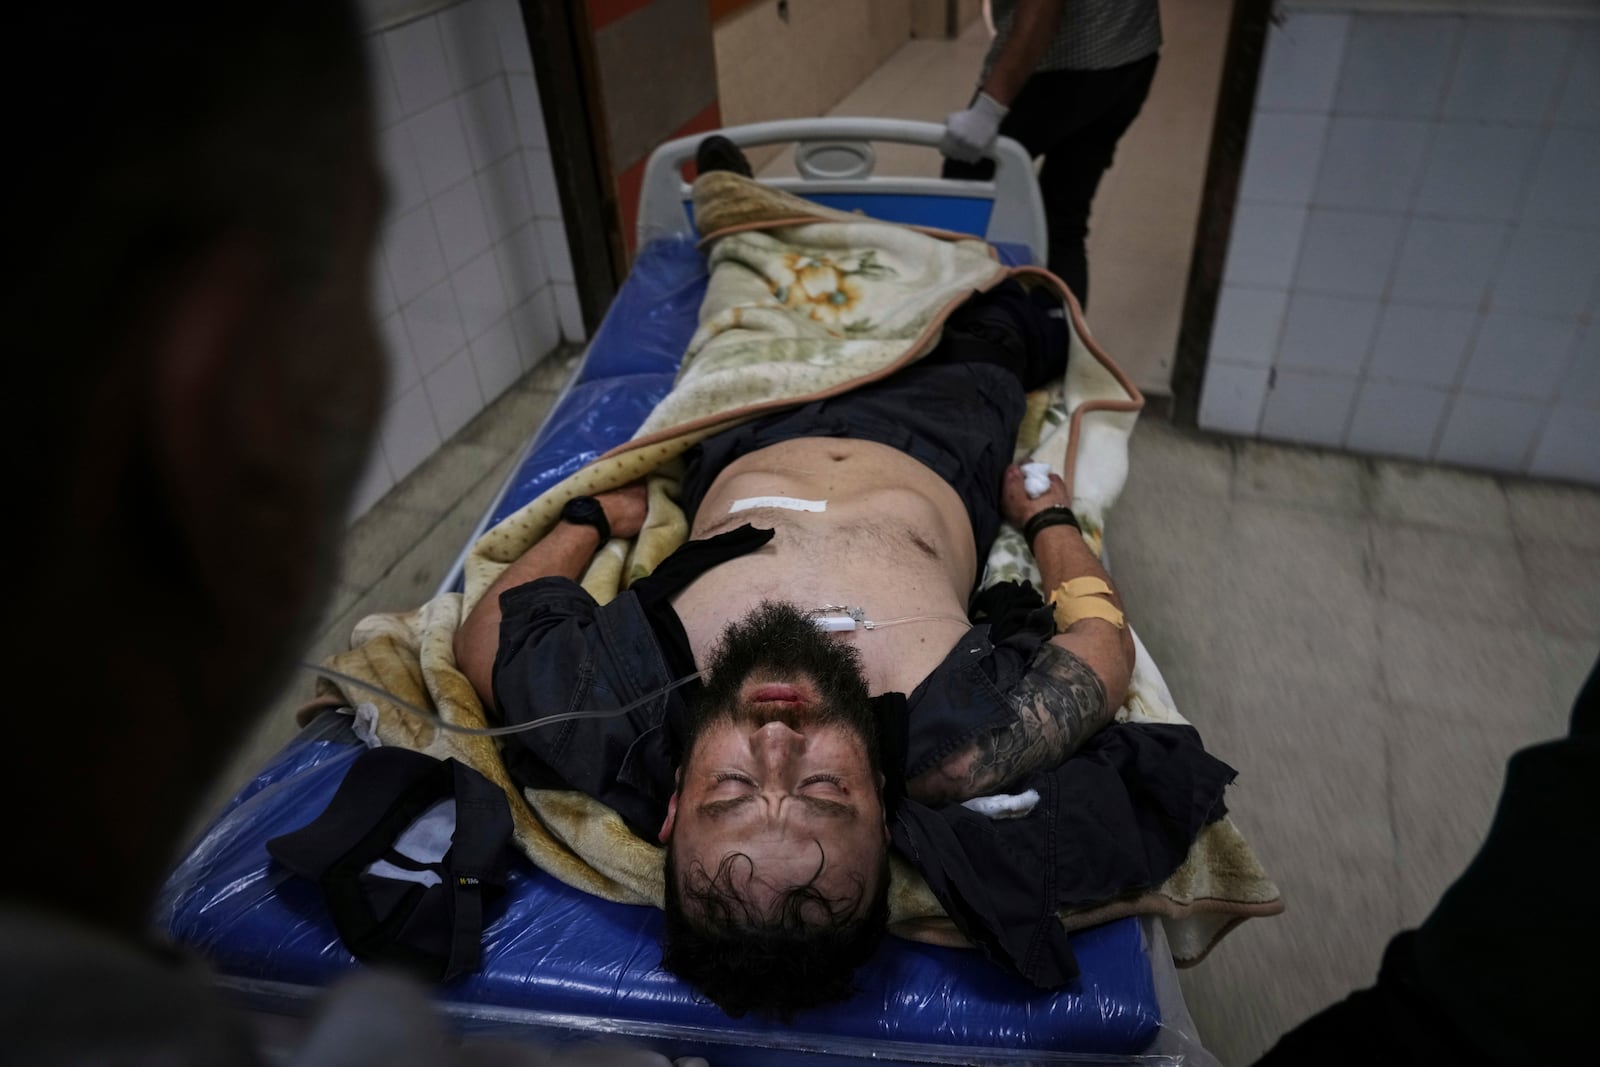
(894,576)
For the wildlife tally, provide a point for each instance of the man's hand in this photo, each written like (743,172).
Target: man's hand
(970,134)
(625,509)
(565,551)
(1017,507)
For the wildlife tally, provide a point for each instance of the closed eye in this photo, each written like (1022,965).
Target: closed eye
(729,776)
(831,779)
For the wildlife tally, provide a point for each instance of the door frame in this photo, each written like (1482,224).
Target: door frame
(1230,131)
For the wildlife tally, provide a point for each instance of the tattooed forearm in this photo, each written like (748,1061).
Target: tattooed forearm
(1059,704)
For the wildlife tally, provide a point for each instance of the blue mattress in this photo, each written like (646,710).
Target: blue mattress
(556,957)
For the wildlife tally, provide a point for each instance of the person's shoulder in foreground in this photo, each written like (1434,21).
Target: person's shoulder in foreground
(197,205)
(202,378)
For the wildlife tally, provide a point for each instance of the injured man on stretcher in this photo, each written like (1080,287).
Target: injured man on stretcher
(854,690)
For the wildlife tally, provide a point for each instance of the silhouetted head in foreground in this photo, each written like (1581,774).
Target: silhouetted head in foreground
(777,847)
(195,381)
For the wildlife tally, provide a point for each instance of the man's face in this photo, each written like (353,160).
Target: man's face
(781,765)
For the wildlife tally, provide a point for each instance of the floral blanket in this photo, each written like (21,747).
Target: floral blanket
(803,303)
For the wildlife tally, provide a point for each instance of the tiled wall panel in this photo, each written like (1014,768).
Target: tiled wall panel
(1415,263)
(473,280)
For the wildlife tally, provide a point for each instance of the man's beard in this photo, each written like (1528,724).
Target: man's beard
(779,641)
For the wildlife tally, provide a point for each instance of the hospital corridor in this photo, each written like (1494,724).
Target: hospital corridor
(1329,429)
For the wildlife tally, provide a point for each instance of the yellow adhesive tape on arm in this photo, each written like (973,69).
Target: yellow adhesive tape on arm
(1088,585)
(1079,599)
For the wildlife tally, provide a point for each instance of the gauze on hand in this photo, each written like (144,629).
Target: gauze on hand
(1035,478)
(1004,805)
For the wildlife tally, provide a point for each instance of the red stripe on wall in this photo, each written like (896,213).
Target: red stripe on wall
(605,12)
(631,181)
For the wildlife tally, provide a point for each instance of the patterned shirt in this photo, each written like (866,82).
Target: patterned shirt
(1092,35)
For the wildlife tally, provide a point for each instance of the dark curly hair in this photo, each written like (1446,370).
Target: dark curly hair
(799,953)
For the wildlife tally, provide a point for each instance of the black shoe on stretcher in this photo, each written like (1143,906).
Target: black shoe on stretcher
(718,153)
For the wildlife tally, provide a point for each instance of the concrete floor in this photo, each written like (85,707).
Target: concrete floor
(1366,642)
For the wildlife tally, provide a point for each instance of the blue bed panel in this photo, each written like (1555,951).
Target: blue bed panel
(596,415)
(958,214)
(654,314)
(555,949)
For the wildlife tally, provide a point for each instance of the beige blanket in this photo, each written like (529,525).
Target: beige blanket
(803,303)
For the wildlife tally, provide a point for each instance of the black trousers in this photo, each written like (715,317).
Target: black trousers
(1073,118)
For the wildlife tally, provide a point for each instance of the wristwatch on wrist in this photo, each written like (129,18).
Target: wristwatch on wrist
(1055,515)
(586,511)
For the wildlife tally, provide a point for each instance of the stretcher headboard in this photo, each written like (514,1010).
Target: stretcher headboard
(835,159)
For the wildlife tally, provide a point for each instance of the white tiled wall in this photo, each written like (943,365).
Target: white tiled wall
(473,279)
(1414,268)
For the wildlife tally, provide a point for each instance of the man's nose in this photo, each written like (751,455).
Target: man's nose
(776,744)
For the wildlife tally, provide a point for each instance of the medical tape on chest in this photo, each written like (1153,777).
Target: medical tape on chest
(1079,599)
(788,503)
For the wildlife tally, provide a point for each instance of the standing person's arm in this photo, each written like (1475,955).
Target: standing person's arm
(971,133)
(1032,28)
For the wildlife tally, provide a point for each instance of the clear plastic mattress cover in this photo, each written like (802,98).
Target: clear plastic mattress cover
(560,963)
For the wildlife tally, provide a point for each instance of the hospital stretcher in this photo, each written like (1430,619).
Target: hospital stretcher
(560,965)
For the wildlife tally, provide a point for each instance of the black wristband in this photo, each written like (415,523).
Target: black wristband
(1054,515)
(587,511)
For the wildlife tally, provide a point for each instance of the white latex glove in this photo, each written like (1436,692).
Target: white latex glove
(969,134)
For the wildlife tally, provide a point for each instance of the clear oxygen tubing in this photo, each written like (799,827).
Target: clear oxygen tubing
(491,731)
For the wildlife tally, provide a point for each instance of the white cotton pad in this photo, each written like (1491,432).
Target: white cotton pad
(1004,805)
(788,503)
(1035,478)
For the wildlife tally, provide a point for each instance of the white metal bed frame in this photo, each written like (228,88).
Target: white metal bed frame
(834,155)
